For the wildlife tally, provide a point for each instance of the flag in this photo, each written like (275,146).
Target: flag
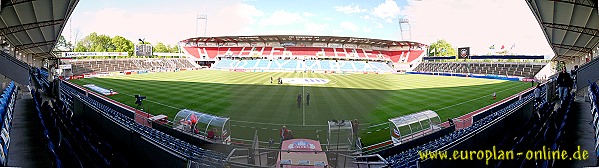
(513,45)
(492,47)
(502,47)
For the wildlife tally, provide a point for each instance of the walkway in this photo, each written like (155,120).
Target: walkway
(27,143)
(579,132)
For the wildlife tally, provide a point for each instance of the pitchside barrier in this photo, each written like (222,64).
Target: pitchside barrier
(139,116)
(497,107)
(413,143)
(489,134)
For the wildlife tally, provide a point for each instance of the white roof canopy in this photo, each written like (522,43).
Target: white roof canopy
(570,26)
(33,26)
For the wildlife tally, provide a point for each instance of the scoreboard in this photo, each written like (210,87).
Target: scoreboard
(143,50)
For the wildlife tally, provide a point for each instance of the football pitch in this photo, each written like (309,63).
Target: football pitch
(252,102)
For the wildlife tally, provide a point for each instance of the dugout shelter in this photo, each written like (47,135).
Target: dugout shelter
(202,124)
(408,127)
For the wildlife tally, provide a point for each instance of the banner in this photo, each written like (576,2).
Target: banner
(285,44)
(65,66)
(87,54)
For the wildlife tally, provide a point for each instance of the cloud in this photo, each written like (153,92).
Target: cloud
(366,17)
(166,26)
(379,25)
(349,26)
(327,18)
(248,12)
(307,14)
(350,9)
(477,24)
(387,9)
(315,28)
(366,29)
(281,17)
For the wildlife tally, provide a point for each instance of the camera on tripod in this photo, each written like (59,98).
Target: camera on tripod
(138,99)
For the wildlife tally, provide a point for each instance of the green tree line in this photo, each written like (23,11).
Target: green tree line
(95,42)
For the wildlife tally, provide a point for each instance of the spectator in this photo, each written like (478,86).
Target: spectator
(289,135)
(450,122)
(299,100)
(211,134)
(38,95)
(573,73)
(271,79)
(537,93)
(308,99)
(271,142)
(283,133)
(563,83)
(355,127)
(46,108)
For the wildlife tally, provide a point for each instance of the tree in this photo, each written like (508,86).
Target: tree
(63,45)
(122,44)
(97,43)
(160,47)
(174,49)
(442,48)
(81,48)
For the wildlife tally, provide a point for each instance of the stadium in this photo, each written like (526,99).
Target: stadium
(296,100)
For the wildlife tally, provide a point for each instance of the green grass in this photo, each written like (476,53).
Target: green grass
(253,103)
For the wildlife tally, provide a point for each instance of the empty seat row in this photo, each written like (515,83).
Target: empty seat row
(119,65)
(507,69)
(300,65)
(7,104)
(594,97)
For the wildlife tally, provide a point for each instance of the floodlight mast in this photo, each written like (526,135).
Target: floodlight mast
(403,22)
(200,17)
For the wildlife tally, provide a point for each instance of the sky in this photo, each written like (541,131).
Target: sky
(478,24)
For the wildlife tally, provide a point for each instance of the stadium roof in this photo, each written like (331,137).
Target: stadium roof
(302,38)
(570,26)
(33,26)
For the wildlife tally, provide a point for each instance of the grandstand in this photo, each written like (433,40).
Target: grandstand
(83,66)
(212,50)
(494,68)
(298,65)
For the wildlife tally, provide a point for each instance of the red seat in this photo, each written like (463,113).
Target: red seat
(193,51)
(414,54)
(329,52)
(340,52)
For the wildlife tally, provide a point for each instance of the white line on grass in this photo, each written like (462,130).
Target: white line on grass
(249,122)
(154,102)
(471,100)
(303,108)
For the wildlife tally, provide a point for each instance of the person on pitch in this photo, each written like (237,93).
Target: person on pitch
(308,99)
(299,100)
